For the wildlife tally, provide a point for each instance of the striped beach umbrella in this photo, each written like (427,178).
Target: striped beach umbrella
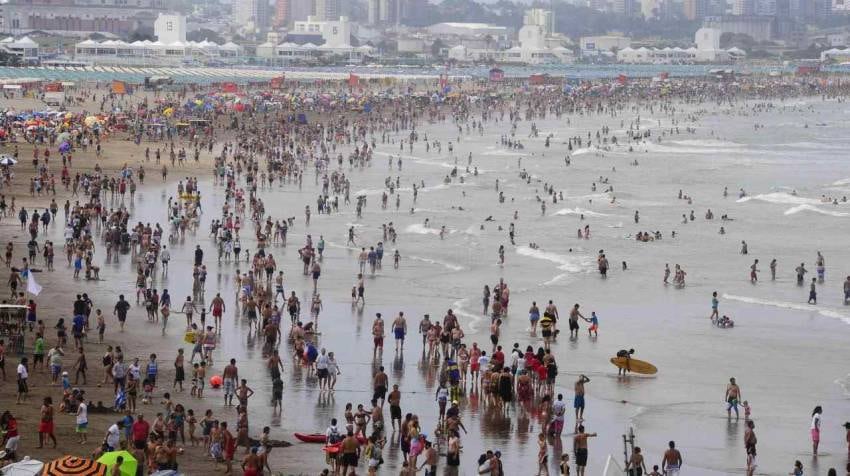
(74,466)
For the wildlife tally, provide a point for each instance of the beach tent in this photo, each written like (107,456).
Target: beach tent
(128,467)
(25,467)
(74,466)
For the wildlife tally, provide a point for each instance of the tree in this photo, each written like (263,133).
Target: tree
(205,34)
(437,46)
(8,59)
(142,34)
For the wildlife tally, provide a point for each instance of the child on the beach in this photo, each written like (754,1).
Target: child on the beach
(147,387)
(192,422)
(168,404)
(747,410)
(194,390)
(593,330)
(101,326)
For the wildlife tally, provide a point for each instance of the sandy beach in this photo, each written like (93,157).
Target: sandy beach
(451,204)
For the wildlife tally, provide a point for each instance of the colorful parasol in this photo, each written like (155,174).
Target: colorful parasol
(128,466)
(74,466)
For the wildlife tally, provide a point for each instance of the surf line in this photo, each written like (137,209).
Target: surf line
(790,305)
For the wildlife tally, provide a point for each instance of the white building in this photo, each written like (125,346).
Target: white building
(707,39)
(170,27)
(251,15)
(336,33)
(540,17)
(155,53)
(707,50)
(337,42)
(24,48)
(470,30)
(603,45)
(836,55)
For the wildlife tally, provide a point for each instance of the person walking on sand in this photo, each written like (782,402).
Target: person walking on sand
(754,272)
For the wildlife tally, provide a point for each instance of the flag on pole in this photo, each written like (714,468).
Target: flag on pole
(33,287)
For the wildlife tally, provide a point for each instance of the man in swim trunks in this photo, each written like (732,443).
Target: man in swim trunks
(574,316)
(399,330)
(578,401)
(672,461)
(230,377)
(379,385)
(733,396)
(217,309)
(580,449)
(378,335)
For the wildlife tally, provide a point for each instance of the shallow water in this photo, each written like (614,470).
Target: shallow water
(785,354)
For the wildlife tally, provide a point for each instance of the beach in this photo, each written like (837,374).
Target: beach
(782,351)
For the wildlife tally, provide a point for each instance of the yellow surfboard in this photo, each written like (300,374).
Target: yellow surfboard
(634,365)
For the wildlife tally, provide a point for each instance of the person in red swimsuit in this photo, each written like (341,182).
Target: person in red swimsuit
(45,425)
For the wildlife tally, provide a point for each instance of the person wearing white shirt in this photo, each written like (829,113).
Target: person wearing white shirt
(113,436)
(23,375)
(322,368)
(333,370)
(82,421)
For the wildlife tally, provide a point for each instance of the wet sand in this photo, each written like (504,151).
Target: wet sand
(668,327)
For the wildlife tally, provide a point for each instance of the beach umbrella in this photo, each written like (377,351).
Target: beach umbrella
(74,466)
(25,467)
(128,467)
(7,159)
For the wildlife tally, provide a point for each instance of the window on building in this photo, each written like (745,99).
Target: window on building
(169,26)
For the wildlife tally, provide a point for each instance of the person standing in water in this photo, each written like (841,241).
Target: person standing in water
(815,428)
(672,461)
(733,396)
(813,292)
(580,449)
(773,269)
(754,272)
(714,305)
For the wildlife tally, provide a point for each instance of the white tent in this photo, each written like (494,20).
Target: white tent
(25,467)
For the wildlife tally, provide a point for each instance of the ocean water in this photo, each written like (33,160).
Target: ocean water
(786,355)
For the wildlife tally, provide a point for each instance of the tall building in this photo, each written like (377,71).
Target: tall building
(744,7)
(328,10)
(766,7)
(650,9)
(540,17)
(385,12)
(694,9)
(251,14)
(624,7)
(281,13)
(170,28)
(118,17)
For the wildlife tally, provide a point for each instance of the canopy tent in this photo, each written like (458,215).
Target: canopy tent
(25,467)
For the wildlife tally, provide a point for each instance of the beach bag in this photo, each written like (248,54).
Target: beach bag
(189,337)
